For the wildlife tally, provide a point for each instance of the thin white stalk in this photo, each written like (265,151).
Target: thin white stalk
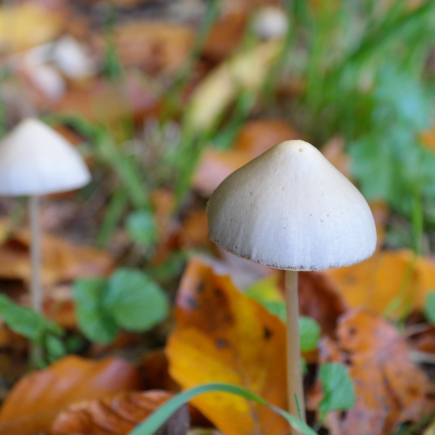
(294,372)
(35,252)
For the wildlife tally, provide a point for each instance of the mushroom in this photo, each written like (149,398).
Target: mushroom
(35,161)
(291,209)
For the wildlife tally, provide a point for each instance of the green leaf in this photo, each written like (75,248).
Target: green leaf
(93,320)
(429,308)
(309,331)
(265,290)
(158,417)
(141,227)
(267,293)
(135,301)
(405,95)
(26,321)
(55,347)
(277,308)
(338,389)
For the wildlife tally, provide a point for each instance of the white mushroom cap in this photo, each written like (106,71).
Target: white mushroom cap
(270,23)
(36,160)
(291,209)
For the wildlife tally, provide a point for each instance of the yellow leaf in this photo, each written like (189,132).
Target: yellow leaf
(26,25)
(390,280)
(223,336)
(245,71)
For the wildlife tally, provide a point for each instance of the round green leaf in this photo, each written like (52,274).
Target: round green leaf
(141,227)
(95,323)
(135,301)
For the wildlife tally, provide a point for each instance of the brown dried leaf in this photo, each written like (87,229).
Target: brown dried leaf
(389,388)
(101,101)
(116,414)
(333,150)
(61,261)
(319,299)
(37,399)
(258,136)
(225,36)
(253,139)
(215,166)
(157,47)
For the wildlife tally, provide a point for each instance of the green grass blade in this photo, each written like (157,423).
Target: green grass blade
(157,418)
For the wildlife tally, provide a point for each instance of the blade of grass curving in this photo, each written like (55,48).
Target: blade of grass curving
(158,417)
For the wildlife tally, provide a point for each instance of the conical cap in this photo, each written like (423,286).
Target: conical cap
(291,209)
(36,160)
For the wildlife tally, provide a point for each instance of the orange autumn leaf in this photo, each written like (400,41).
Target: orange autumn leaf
(389,388)
(392,280)
(116,414)
(223,336)
(256,137)
(334,151)
(252,140)
(215,166)
(155,46)
(61,260)
(225,36)
(37,399)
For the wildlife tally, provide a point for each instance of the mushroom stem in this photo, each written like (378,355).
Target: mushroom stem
(294,373)
(35,250)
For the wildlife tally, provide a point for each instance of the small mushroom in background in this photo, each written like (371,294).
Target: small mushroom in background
(291,209)
(36,161)
(270,22)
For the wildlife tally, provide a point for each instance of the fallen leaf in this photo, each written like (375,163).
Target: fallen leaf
(156,372)
(215,166)
(422,338)
(100,101)
(254,138)
(27,24)
(225,36)
(223,336)
(389,388)
(319,299)
(156,47)
(116,414)
(393,280)
(257,136)
(194,229)
(333,150)
(37,399)
(244,71)
(61,261)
